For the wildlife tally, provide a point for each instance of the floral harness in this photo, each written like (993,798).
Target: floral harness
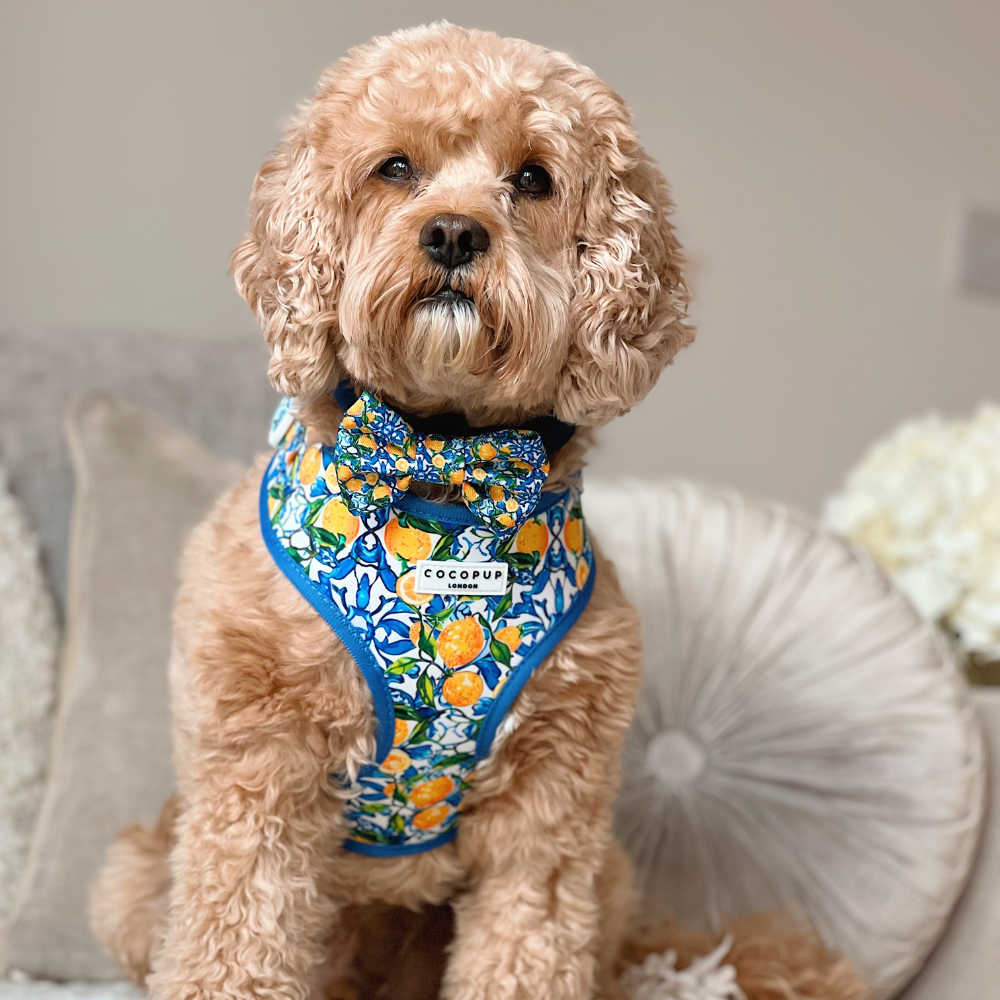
(443,668)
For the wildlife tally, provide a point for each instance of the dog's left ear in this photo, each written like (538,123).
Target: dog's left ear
(630,299)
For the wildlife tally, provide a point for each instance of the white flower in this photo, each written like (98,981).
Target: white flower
(706,978)
(925,502)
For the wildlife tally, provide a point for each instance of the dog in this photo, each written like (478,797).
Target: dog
(462,236)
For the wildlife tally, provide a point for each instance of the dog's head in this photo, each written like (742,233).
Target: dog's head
(465,222)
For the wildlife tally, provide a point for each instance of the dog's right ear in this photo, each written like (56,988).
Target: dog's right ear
(286,269)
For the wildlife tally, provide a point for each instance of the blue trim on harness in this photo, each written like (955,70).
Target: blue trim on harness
(397,850)
(384,713)
(526,668)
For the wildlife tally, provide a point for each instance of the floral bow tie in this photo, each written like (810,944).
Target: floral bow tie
(378,454)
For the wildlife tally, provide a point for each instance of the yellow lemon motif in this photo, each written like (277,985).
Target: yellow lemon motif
(356,408)
(349,423)
(400,736)
(456,477)
(429,793)
(366,441)
(510,636)
(462,689)
(486,452)
(426,819)
(344,472)
(574,535)
(331,479)
(415,633)
(533,537)
(381,492)
(582,573)
(479,474)
(406,590)
(505,520)
(460,642)
(402,465)
(371,478)
(395,762)
(434,444)
(410,544)
(497,493)
(355,485)
(394,450)
(309,467)
(439,461)
(469,492)
(338,520)
(511,505)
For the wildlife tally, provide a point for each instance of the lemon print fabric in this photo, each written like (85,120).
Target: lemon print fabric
(378,454)
(443,669)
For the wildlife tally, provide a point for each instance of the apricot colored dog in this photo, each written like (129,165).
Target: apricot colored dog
(559,292)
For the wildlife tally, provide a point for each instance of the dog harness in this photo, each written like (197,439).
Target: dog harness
(446,608)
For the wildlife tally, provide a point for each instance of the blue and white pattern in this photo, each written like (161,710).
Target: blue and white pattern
(443,669)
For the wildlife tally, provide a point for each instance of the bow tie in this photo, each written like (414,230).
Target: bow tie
(378,454)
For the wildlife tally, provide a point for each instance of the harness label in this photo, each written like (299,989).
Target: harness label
(453,576)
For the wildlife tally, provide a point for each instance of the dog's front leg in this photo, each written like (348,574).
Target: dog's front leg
(249,913)
(528,927)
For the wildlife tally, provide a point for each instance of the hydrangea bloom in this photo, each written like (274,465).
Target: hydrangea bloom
(925,502)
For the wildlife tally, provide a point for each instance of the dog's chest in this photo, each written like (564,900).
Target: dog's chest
(445,619)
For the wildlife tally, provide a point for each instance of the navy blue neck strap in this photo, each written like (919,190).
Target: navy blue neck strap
(554,433)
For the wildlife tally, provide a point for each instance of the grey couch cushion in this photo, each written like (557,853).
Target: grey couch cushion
(216,389)
(141,485)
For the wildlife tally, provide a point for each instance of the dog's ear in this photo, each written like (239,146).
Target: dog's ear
(630,300)
(287,270)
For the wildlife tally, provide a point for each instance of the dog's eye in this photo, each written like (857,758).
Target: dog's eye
(533,179)
(397,168)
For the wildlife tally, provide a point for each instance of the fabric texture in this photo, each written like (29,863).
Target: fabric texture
(214,388)
(28,640)
(964,966)
(802,737)
(443,669)
(141,485)
(378,453)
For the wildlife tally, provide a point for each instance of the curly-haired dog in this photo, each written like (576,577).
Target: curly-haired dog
(459,224)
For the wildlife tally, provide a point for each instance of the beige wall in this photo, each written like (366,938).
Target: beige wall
(821,153)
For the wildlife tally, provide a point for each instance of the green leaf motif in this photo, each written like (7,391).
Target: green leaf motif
(521,560)
(419,732)
(457,758)
(426,644)
(500,652)
(504,606)
(402,666)
(397,824)
(312,512)
(327,538)
(425,689)
(405,712)
(374,807)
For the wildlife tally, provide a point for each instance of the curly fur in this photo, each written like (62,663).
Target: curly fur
(575,308)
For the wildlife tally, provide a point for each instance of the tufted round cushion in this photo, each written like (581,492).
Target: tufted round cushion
(27,681)
(802,738)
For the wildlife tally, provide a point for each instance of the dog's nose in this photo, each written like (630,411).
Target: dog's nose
(453,240)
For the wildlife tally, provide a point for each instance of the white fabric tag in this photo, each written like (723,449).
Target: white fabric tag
(456,577)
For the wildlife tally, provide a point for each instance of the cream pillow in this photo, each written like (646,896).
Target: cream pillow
(141,485)
(28,637)
(802,737)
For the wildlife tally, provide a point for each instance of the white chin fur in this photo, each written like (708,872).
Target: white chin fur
(450,333)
